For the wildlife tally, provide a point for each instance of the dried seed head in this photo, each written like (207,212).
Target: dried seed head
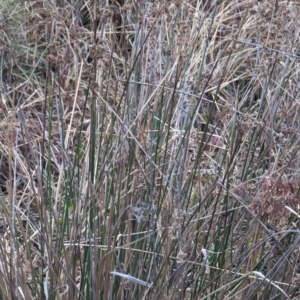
(272,200)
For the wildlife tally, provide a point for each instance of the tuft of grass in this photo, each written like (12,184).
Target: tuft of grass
(149,150)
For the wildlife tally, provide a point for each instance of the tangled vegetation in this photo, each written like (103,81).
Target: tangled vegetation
(149,149)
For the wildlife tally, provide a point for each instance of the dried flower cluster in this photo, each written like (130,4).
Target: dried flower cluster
(274,196)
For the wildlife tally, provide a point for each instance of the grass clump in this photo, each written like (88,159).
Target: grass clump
(149,150)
